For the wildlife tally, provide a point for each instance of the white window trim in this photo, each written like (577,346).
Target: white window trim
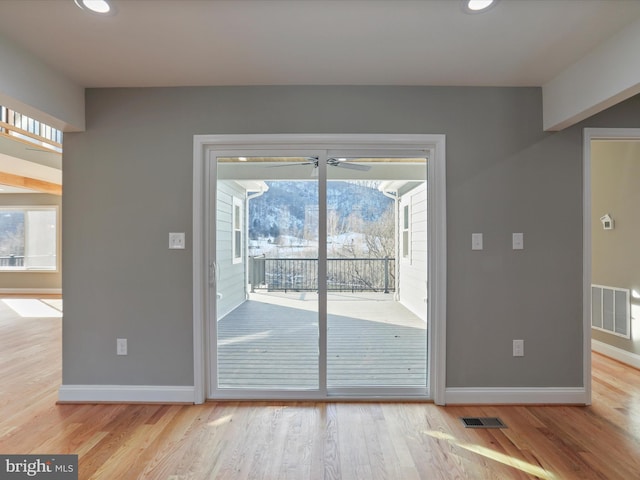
(436,172)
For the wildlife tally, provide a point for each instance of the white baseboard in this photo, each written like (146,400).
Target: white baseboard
(30,291)
(125,394)
(629,358)
(517,396)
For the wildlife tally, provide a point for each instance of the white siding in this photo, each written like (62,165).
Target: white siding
(412,288)
(231,280)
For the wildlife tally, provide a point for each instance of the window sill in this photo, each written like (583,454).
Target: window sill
(27,270)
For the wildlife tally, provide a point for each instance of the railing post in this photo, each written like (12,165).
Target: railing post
(257,272)
(386,274)
(252,273)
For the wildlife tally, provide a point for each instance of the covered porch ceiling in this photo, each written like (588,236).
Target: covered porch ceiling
(303,168)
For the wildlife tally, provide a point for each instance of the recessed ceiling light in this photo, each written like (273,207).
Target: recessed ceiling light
(101,7)
(477,6)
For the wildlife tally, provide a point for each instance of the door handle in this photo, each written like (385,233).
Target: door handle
(212,273)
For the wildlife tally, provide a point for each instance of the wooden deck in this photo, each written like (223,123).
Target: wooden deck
(271,342)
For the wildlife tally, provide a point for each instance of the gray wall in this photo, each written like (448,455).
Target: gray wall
(30,280)
(128,182)
(615,189)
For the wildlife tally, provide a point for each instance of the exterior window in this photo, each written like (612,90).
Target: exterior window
(28,238)
(30,130)
(237,230)
(405,232)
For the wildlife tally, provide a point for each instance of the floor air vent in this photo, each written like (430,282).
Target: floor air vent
(482,422)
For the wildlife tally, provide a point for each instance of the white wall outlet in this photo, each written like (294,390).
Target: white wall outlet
(176,240)
(121,346)
(476,241)
(518,348)
(518,241)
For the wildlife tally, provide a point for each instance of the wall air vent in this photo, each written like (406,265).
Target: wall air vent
(482,422)
(610,310)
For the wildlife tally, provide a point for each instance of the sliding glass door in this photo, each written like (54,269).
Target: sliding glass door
(266,263)
(376,275)
(317,274)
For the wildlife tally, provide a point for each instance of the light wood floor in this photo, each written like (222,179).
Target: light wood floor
(232,440)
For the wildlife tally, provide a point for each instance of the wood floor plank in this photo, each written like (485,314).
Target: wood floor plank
(311,440)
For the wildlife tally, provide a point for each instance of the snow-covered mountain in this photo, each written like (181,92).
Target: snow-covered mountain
(291,208)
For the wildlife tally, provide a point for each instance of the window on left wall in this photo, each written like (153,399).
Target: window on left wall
(28,238)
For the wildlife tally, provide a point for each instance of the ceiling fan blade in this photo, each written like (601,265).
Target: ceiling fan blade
(291,164)
(352,166)
(312,161)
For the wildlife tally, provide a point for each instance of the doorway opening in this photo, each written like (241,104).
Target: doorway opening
(317,268)
(611,283)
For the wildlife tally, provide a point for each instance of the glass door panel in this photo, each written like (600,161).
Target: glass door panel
(376,275)
(266,255)
(319,280)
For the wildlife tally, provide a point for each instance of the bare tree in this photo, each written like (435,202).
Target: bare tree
(378,243)
(379,235)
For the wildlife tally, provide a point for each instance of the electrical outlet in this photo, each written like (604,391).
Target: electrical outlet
(176,240)
(518,348)
(121,346)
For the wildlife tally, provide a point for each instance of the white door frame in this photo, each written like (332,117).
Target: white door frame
(589,135)
(436,174)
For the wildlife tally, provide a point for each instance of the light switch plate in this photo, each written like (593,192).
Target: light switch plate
(518,241)
(176,240)
(476,241)
(518,348)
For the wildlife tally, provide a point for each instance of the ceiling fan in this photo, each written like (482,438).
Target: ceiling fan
(332,162)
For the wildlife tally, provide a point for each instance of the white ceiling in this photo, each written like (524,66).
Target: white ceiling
(307,42)
(320,42)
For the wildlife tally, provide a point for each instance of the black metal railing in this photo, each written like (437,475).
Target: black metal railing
(343,274)
(12,261)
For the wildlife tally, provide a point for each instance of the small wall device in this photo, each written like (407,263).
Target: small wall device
(607,222)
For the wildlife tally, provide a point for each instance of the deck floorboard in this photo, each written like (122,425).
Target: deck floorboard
(372,341)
